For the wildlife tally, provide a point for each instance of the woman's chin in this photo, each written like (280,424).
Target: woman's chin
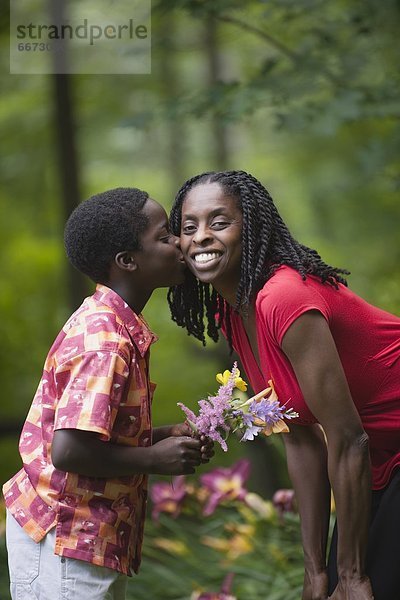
(203,276)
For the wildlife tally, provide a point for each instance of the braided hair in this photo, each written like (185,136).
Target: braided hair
(266,245)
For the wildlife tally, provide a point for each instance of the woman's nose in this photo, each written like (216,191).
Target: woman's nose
(201,235)
(177,241)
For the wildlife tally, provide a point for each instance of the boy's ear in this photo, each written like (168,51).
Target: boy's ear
(125,260)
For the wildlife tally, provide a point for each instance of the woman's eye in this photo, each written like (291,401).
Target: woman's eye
(220,224)
(188,228)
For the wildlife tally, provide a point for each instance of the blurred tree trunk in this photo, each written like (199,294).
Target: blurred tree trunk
(65,142)
(218,129)
(169,81)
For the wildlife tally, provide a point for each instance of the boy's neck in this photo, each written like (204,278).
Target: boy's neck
(136,299)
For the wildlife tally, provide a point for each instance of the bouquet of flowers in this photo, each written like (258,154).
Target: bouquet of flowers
(224,413)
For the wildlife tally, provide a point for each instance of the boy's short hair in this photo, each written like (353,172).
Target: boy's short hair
(102,226)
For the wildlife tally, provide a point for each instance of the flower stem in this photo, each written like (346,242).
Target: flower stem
(257,397)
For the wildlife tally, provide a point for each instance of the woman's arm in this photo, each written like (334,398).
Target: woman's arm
(310,347)
(307,464)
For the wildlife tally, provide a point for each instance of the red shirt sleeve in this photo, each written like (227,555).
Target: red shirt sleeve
(286,298)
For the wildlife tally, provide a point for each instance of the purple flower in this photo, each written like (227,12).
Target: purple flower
(225,484)
(251,430)
(224,594)
(189,413)
(284,501)
(213,412)
(248,419)
(269,411)
(168,498)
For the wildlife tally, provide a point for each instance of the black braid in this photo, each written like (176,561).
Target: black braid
(266,245)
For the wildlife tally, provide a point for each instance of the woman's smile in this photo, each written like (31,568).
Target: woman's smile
(205,258)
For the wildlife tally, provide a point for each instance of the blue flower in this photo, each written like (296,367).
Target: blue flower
(250,433)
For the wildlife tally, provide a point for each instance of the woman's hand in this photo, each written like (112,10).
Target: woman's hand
(315,586)
(357,588)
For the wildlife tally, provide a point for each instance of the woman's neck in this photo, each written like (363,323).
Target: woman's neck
(228,291)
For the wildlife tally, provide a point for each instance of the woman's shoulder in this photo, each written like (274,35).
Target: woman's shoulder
(286,295)
(285,279)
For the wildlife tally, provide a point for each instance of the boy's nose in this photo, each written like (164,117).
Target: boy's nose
(177,241)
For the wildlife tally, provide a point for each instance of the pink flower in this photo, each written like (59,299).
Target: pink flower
(224,594)
(168,498)
(211,420)
(225,484)
(284,501)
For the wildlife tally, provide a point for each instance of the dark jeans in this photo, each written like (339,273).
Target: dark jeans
(383,553)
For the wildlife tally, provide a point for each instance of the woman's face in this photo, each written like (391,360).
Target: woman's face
(211,236)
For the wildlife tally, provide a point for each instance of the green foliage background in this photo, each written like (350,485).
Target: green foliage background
(303,94)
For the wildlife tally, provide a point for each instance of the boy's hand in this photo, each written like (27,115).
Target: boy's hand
(207,445)
(207,448)
(181,429)
(176,455)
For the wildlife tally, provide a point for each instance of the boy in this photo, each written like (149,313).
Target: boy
(76,509)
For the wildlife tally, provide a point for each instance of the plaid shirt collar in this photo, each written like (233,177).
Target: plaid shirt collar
(138,329)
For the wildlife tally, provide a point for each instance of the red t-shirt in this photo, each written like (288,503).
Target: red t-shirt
(368,342)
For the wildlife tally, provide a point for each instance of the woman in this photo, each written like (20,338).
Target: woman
(333,358)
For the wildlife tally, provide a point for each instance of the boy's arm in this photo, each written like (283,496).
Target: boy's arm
(82,452)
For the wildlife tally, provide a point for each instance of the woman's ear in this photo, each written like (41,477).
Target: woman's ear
(125,261)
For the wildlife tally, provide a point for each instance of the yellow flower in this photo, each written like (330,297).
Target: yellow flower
(176,547)
(278,427)
(242,528)
(264,509)
(233,548)
(276,554)
(223,379)
(267,429)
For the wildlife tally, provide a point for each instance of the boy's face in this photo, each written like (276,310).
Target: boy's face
(160,259)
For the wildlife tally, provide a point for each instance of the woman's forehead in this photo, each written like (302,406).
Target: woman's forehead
(207,197)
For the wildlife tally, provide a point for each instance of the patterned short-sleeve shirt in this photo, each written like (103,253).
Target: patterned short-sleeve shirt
(95,378)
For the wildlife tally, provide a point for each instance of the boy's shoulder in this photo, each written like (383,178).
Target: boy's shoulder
(93,317)
(93,327)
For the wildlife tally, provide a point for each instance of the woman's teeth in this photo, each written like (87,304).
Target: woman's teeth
(205,257)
